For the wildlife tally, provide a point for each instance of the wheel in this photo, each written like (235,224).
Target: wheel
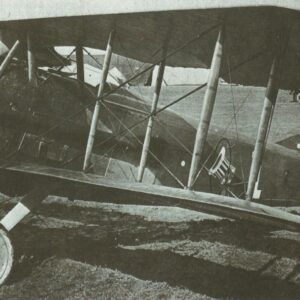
(6,256)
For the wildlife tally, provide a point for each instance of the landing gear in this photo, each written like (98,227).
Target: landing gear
(6,256)
(11,219)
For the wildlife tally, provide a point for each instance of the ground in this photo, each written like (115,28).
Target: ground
(244,102)
(85,250)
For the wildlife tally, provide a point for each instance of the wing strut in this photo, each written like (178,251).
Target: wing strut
(9,57)
(31,61)
(93,128)
(147,139)
(207,109)
(265,122)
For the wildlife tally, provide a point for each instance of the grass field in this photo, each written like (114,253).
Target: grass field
(247,102)
(87,250)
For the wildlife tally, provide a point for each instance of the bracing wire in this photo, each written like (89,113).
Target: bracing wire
(166,106)
(118,87)
(236,125)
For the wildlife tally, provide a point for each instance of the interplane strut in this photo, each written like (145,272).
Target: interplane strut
(207,109)
(187,199)
(36,196)
(93,128)
(147,139)
(265,122)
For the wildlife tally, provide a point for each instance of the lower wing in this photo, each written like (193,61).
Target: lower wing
(98,188)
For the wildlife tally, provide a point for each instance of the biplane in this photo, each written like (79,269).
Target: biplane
(56,146)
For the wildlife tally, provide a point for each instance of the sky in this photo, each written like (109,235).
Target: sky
(67,50)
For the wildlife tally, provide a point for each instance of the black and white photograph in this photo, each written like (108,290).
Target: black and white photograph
(149,149)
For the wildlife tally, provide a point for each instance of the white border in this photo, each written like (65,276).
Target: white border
(12,10)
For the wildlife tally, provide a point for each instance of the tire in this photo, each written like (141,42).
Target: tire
(6,256)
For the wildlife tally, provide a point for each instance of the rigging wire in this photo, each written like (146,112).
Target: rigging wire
(98,63)
(118,87)
(132,72)
(222,134)
(235,123)
(175,138)
(170,104)
(141,143)
(147,108)
(152,154)
(178,49)
(204,165)
(61,67)
(162,109)
(27,112)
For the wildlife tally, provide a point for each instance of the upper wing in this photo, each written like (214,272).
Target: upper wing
(31,9)
(105,189)
(143,26)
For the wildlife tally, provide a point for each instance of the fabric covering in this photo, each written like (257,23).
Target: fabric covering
(143,26)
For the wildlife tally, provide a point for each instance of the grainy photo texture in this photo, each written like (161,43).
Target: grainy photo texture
(149,149)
